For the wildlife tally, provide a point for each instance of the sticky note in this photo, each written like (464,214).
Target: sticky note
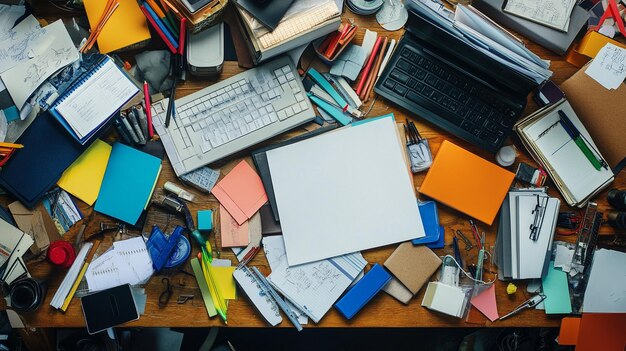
(232,234)
(485,302)
(241,192)
(225,281)
(557,291)
(205,220)
(84,177)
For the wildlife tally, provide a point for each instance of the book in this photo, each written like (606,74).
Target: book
(478,191)
(128,183)
(126,29)
(86,108)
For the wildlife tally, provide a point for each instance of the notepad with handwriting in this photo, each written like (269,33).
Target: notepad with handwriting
(93,100)
(312,287)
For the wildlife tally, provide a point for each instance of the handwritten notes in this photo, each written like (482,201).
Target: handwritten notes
(99,97)
(16,45)
(550,13)
(51,52)
(609,66)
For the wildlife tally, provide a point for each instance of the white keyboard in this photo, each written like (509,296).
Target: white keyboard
(233,114)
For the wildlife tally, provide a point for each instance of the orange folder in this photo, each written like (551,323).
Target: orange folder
(568,334)
(602,331)
(467,182)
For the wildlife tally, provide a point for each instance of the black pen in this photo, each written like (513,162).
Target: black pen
(177,70)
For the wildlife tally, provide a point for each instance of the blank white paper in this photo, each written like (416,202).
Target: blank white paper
(606,288)
(344,191)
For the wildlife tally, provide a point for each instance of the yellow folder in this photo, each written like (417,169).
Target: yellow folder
(467,182)
(127,26)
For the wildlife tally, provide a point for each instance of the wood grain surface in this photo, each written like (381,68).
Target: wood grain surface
(383,310)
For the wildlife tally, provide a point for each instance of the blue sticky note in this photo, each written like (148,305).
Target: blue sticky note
(363,291)
(439,244)
(128,183)
(205,220)
(11,114)
(430,219)
(556,289)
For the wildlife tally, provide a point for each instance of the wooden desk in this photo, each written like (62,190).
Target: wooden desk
(383,310)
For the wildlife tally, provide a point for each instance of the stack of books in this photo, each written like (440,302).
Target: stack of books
(304,22)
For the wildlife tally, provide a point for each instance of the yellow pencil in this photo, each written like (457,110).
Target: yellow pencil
(11,145)
(69,297)
(218,301)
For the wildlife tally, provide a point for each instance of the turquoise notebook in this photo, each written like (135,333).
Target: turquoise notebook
(129,181)
(556,289)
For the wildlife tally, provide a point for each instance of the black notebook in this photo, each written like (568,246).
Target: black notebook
(268,12)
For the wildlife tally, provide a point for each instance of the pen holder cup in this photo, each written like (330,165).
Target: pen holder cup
(329,61)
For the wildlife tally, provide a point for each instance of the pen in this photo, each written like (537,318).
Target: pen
(134,121)
(129,128)
(573,132)
(143,122)
(157,10)
(148,106)
(178,69)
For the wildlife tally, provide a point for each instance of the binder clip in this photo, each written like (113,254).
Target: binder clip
(418,148)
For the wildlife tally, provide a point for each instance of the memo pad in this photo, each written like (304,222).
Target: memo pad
(241,192)
(344,191)
(478,190)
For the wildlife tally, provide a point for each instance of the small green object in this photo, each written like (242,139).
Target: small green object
(590,156)
(205,220)
(204,289)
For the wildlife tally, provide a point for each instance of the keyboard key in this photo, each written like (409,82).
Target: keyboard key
(399,76)
(389,84)
(400,89)
(403,65)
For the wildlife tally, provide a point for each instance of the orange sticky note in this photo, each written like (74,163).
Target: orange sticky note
(241,192)
(568,335)
(485,302)
(602,331)
(233,234)
(467,182)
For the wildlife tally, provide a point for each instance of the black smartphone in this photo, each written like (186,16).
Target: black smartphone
(108,308)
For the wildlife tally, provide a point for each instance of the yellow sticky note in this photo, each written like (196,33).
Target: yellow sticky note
(225,282)
(84,177)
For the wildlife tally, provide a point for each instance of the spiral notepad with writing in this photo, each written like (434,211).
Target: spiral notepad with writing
(127,262)
(259,297)
(92,101)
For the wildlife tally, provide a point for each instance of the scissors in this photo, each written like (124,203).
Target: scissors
(530,303)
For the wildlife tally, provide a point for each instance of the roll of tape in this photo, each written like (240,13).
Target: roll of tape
(27,294)
(180,253)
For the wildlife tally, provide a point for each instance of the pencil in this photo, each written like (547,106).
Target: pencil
(374,72)
(11,145)
(146,97)
(218,301)
(368,66)
(69,297)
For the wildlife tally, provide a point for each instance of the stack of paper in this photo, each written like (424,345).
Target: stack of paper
(606,288)
(305,21)
(313,287)
(478,31)
(127,262)
(13,245)
(527,223)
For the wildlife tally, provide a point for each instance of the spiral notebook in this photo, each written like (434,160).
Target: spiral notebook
(127,262)
(93,100)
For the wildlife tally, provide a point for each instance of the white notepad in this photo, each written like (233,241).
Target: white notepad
(344,191)
(312,287)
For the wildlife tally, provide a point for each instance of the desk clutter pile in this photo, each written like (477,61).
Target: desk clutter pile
(83,129)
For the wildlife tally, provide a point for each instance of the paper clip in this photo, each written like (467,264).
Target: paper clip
(468,243)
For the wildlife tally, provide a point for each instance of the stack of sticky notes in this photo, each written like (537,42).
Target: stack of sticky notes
(241,194)
(129,181)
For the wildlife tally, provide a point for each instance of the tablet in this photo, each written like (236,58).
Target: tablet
(108,308)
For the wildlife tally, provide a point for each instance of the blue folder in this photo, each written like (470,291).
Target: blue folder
(33,170)
(363,291)
(430,219)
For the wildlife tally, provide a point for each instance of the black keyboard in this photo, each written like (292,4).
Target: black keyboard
(460,105)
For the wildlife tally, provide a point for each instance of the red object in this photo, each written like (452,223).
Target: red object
(157,29)
(148,106)
(181,36)
(613,12)
(61,253)
(368,66)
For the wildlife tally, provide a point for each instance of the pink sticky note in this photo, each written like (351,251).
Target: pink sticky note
(485,302)
(233,234)
(241,192)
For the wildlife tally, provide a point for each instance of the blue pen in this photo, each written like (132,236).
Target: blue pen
(457,252)
(163,28)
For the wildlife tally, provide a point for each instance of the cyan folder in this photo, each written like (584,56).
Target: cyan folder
(363,291)
(556,289)
(129,181)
